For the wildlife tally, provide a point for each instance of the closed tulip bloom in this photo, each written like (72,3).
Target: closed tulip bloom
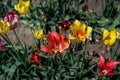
(85,8)
(106,68)
(79,31)
(13,18)
(65,25)
(35,58)
(109,37)
(57,43)
(4,27)
(22,7)
(2,45)
(39,34)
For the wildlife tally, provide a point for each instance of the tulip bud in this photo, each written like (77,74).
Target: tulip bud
(13,18)
(85,8)
(2,45)
(65,25)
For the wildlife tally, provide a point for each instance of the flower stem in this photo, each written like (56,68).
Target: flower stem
(10,43)
(117,48)
(84,50)
(18,38)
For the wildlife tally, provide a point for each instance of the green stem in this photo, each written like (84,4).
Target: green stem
(18,38)
(10,43)
(3,36)
(84,50)
(117,48)
(35,41)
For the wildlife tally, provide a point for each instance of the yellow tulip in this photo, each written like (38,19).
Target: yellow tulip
(4,27)
(79,31)
(118,35)
(109,37)
(22,7)
(39,34)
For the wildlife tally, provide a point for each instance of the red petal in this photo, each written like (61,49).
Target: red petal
(115,63)
(99,74)
(47,49)
(52,38)
(112,73)
(101,61)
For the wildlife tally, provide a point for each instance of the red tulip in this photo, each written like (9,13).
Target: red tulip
(65,24)
(13,18)
(35,58)
(56,44)
(85,8)
(106,68)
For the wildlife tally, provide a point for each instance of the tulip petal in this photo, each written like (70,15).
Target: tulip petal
(89,29)
(113,36)
(115,63)
(112,73)
(71,36)
(76,23)
(99,74)
(46,49)
(101,60)
(82,27)
(105,33)
(109,38)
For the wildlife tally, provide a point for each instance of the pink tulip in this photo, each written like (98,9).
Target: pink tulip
(2,45)
(13,18)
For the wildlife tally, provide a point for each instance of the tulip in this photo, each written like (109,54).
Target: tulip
(106,68)
(13,18)
(57,43)
(39,34)
(79,31)
(109,38)
(118,35)
(35,58)
(65,25)
(4,27)
(2,45)
(85,8)
(22,7)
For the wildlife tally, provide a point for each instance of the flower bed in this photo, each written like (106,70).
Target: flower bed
(63,34)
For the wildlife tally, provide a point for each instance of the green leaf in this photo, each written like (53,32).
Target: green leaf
(13,69)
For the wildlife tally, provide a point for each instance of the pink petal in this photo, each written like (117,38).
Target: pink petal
(101,60)
(115,63)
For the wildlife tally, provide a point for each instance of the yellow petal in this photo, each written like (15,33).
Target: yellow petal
(113,33)
(113,36)
(71,36)
(39,34)
(118,35)
(22,7)
(75,26)
(76,23)
(4,27)
(89,29)
(109,38)
(105,33)
(82,27)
